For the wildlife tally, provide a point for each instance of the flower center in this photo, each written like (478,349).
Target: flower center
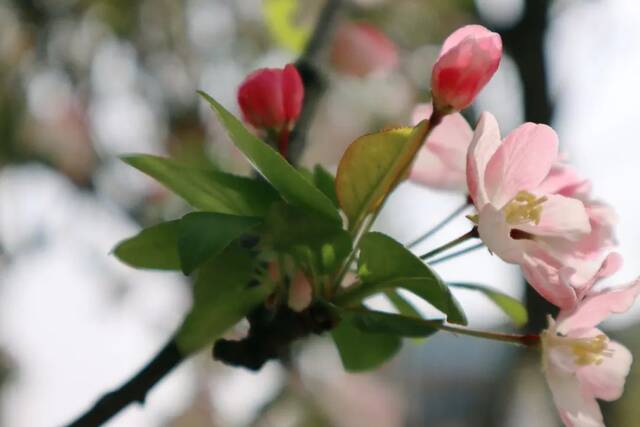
(524,208)
(586,351)
(590,351)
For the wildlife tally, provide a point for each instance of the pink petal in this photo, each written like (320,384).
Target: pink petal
(606,380)
(549,278)
(521,163)
(260,98)
(360,49)
(603,220)
(300,293)
(598,306)
(441,161)
(461,71)
(292,92)
(495,233)
(561,217)
(563,179)
(586,273)
(576,409)
(468,31)
(585,280)
(586,254)
(485,142)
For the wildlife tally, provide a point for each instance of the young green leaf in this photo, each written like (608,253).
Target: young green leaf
(326,183)
(363,351)
(204,234)
(401,304)
(509,305)
(154,247)
(385,264)
(313,240)
(208,190)
(222,296)
(372,166)
(293,187)
(378,322)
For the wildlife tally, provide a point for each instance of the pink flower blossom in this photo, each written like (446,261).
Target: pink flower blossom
(581,364)
(564,180)
(468,59)
(519,218)
(360,49)
(440,163)
(574,264)
(271,98)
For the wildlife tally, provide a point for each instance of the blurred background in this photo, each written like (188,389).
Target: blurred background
(84,81)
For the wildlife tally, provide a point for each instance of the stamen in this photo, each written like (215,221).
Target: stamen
(589,351)
(524,208)
(586,351)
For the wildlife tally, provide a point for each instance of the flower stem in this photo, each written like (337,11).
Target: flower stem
(439,225)
(469,235)
(523,340)
(283,141)
(457,253)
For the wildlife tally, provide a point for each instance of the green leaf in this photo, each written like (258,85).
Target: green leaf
(204,234)
(222,296)
(208,190)
(509,305)
(363,351)
(289,182)
(372,166)
(378,322)
(313,240)
(324,180)
(154,247)
(385,264)
(279,17)
(401,304)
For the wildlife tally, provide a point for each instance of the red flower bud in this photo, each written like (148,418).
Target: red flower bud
(359,49)
(468,59)
(271,98)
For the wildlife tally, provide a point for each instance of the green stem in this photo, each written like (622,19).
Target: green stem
(355,293)
(439,225)
(457,254)
(344,269)
(469,235)
(523,340)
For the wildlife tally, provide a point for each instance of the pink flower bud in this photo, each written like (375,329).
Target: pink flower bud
(271,98)
(300,293)
(360,49)
(468,59)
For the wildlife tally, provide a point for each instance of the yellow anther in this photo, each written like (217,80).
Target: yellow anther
(590,351)
(524,208)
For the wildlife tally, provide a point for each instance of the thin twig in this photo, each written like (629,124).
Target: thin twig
(134,390)
(457,254)
(455,242)
(312,79)
(439,225)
